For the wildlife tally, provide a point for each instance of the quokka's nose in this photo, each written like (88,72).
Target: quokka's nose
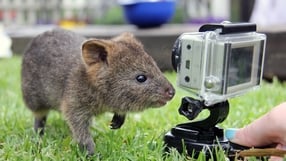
(170,92)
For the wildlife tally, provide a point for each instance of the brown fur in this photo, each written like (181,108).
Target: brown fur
(82,78)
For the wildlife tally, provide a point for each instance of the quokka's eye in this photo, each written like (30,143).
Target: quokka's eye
(141,78)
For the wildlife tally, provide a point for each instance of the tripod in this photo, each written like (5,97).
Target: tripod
(199,136)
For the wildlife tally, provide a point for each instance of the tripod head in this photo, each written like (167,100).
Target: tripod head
(201,135)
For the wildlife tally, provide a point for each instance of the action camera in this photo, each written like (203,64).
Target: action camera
(217,63)
(220,61)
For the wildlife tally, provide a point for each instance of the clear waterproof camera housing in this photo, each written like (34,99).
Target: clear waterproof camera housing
(220,61)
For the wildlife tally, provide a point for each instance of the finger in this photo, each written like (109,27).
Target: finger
(274,158)
(267,129)
(255,134)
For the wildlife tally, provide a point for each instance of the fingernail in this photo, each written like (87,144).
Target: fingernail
(230,133)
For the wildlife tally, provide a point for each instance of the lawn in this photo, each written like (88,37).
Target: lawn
(140,138)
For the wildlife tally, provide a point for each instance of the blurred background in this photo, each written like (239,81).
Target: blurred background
(157,23)
(81,12)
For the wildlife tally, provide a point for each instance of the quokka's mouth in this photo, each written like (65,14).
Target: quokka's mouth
(166,96)
(161,102)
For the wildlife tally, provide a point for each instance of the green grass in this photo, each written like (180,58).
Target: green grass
(140,138)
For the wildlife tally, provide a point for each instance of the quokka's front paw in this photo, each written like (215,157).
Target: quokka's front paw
(117,121)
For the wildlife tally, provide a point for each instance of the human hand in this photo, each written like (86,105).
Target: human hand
(268,130)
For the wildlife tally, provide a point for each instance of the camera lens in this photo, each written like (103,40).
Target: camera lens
(176,54)
(189,47)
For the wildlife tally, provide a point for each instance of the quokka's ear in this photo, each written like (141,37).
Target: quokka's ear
(96,51)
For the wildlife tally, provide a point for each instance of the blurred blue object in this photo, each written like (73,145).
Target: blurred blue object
(147,14)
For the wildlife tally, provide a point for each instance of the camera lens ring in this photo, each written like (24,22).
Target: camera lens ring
(176,54)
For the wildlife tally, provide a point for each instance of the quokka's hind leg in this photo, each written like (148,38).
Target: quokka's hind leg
(40,121)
